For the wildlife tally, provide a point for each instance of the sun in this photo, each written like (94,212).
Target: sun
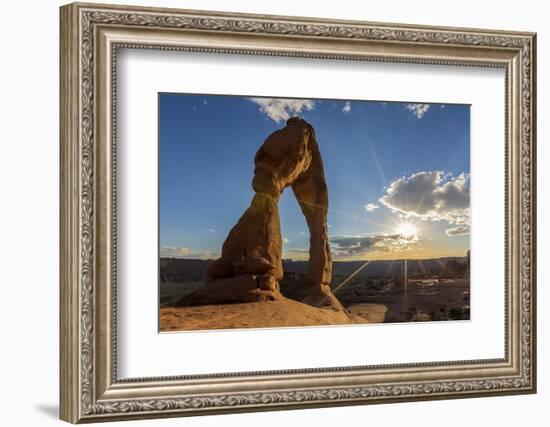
(407,231)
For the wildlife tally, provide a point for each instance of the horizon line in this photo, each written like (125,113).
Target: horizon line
(333,261)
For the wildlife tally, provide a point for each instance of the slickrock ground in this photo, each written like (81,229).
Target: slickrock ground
(262,314)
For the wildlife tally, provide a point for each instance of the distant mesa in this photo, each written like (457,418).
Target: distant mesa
(250,267)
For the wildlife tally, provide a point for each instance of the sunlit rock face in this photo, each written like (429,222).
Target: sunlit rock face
(252,251)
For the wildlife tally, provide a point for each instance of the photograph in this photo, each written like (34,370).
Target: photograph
(292,212)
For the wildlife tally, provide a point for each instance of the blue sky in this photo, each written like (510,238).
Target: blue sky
(391,169)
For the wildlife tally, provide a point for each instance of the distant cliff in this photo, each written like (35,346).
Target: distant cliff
(179,270)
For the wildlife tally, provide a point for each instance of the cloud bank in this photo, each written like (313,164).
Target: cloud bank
(174,252)
(279,109)
(431,195)
(182,252)
(345,246)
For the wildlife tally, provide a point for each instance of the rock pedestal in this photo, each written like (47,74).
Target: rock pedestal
(243,288)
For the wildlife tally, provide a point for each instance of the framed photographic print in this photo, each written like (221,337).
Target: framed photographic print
(266,212)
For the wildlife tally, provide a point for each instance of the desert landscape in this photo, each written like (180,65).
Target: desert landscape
(437,290)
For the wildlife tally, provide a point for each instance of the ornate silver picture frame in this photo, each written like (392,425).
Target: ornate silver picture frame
(91,37)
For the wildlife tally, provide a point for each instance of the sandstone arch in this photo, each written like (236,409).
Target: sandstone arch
(250,265)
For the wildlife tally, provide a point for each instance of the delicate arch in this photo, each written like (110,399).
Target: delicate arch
(252,252)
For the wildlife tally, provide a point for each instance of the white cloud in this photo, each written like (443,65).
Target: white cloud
(279,109)
(211,230)
(461,230)
(174,252)
(285,240)
(371,207)
(432,195)
(347,107)
(418,109)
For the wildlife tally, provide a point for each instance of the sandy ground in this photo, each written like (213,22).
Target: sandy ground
(262,315)
(373,313)
(425,297)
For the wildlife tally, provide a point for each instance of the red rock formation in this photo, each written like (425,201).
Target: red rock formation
(252,251)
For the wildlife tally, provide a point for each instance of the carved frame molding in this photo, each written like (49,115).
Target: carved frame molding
(90,37)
